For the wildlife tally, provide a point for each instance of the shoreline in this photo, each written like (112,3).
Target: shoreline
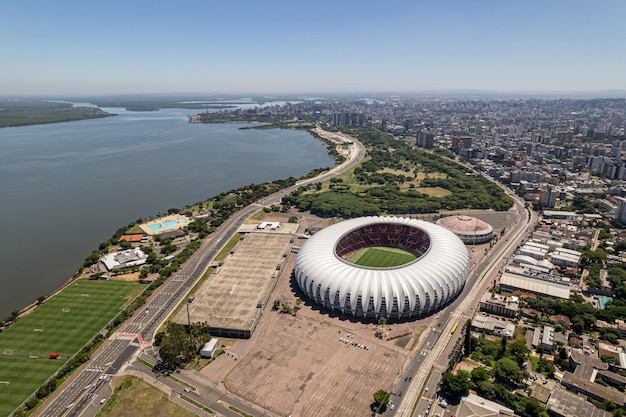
(28,308)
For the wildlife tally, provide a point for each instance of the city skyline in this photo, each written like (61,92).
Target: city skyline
(81,48)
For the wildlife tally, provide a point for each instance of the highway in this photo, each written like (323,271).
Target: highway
(81,389)
(416,390)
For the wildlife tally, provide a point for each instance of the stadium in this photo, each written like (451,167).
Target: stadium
(430,273)
(470,230)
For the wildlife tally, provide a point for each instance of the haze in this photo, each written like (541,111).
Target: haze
(115,47)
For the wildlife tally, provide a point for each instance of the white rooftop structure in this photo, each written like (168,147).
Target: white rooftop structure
(409,290)
(474,405)
(209,348)
(515,278)
(127,258)
(533,251)
(566,215)
(271,225)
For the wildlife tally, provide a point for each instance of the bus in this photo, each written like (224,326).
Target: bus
(454,327)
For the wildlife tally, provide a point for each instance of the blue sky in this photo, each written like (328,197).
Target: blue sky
(112,47)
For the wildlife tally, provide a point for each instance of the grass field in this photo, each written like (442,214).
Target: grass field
(381,257)
(134,397)
(434,191)
(63,324)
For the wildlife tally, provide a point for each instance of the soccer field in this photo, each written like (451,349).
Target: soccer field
(63,324)
(381,257)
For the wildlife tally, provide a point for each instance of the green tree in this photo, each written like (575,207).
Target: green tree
(382,321)
(381,399)
(456,386)
(480,374)
(520,351)
(506,371)
(502,350)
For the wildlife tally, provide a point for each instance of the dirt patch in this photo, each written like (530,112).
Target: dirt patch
(126,277)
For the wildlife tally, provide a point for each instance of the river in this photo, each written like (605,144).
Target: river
(66,187)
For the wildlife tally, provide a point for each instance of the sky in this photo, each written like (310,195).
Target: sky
(72,47)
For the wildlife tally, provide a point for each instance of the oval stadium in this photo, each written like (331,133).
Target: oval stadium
(470,230)
(391,267)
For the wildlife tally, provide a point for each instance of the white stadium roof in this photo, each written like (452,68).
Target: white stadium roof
(405,291)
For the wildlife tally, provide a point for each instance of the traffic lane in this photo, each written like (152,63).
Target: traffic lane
(84,380)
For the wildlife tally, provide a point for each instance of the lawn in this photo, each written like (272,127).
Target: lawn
(63,324)
(134,397)
(434,191)
(381,257)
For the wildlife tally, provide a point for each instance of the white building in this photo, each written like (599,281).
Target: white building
(124,259)
(209,348)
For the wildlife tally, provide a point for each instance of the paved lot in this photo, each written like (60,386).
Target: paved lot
(230,297)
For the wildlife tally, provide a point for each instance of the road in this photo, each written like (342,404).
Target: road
(415,393)
(81,390)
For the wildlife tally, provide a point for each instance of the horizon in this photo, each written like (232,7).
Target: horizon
(355,95)
(78,49)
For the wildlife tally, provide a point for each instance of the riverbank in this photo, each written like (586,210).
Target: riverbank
(25,113)
(68,186)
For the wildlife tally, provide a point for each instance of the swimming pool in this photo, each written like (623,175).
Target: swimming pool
(167,224)
(602,300)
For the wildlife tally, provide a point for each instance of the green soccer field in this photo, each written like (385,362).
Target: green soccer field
(63,324)
(381,257)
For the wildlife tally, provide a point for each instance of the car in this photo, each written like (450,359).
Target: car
(392,406)
(102,401)
(73,385)
(97,385)
(186,390)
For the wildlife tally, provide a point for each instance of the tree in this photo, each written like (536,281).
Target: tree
(382,321)
(502,350)
(506,370)
(467,343)
(456,386)
(520,351)
(381,399)
(480,374)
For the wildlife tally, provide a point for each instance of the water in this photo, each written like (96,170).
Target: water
(166,224)
(66,187)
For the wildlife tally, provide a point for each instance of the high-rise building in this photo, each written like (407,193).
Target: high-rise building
(548,196)
(425,139)
(620,214)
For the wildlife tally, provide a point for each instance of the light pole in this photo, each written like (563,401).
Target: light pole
(189,301)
